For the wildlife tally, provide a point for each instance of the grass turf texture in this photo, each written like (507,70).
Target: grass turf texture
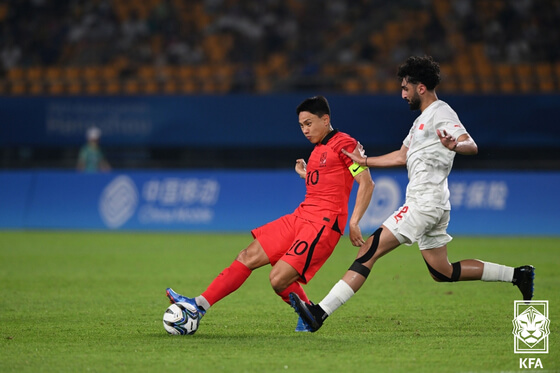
(83,301)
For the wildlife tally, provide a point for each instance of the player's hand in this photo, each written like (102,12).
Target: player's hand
(301,168)
(358,155)
(446,139)
(356,235)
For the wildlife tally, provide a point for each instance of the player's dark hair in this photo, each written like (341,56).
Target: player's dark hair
(420,70)
(317,105)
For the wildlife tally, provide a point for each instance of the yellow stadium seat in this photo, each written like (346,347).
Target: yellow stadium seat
(15,73)
(18,88)
(93,87)
(53,73)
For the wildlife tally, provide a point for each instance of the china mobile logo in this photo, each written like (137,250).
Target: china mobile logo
(531,327)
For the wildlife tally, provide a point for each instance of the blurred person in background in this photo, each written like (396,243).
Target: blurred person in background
(91,158)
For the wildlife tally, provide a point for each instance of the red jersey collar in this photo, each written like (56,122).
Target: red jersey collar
(329,136)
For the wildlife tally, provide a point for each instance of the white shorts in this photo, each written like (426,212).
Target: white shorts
(426,225)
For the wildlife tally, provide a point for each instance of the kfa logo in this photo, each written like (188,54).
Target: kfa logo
(530,362)
(531,327)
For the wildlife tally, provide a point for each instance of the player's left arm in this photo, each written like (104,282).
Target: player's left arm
(363,197)
(464,144)
(301,168)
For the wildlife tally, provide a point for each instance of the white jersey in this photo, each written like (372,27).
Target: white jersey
(427,160)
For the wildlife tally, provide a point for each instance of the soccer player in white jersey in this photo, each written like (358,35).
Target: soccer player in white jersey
(428,152)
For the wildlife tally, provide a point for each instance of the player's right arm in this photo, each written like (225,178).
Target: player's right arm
(393,159)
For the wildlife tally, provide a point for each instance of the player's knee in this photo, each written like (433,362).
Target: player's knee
(253,257)
(439,276)
(278,284)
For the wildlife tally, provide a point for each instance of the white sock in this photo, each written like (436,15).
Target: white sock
(497,272)
(339,294)
(202,302)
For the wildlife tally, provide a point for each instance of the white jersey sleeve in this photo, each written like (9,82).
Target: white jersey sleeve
(446,119)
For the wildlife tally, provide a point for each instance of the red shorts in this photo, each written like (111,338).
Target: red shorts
(303,244)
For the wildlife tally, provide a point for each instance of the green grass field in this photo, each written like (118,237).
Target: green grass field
(91,301)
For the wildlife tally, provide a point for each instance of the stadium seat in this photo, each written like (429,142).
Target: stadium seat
(53,74)
(170,86)
(545,77)
(186,72)
(112,87)
(92,73)
(131,87)
(147,73)
(372,86)
(506,78)
(352,85)
(55,88)
(525,77)
(469,85)
(74,87)
(93,87)
(109,73)
(71,73)
(486,77)
(18,88)
(34,73)
(36,88)
(150,87)
(15,73)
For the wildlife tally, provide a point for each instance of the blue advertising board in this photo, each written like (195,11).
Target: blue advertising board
(15,191)
(483,203)
(241,120)
(201,201)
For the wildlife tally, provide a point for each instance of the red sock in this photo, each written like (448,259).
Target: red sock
(295,287)
(227,282)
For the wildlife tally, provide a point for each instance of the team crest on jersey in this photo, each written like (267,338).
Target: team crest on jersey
(323,160)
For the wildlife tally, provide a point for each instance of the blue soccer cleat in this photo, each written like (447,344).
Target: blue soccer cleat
(312,315)
(302,326)
(176,298)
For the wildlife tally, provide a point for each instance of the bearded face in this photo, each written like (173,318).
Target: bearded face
(414,101)
(410,95)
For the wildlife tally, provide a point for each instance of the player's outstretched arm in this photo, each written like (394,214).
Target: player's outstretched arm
(393,159)
(464,145)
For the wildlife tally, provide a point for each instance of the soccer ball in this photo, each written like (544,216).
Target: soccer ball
(181,318)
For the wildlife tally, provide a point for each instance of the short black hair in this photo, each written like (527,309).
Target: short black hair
(317,105)
(420,70)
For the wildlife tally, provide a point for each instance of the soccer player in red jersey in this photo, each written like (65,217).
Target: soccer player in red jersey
(298,244)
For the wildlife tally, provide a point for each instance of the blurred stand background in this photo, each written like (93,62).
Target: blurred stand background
(215,83)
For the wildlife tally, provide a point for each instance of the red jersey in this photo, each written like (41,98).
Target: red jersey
(328,182)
